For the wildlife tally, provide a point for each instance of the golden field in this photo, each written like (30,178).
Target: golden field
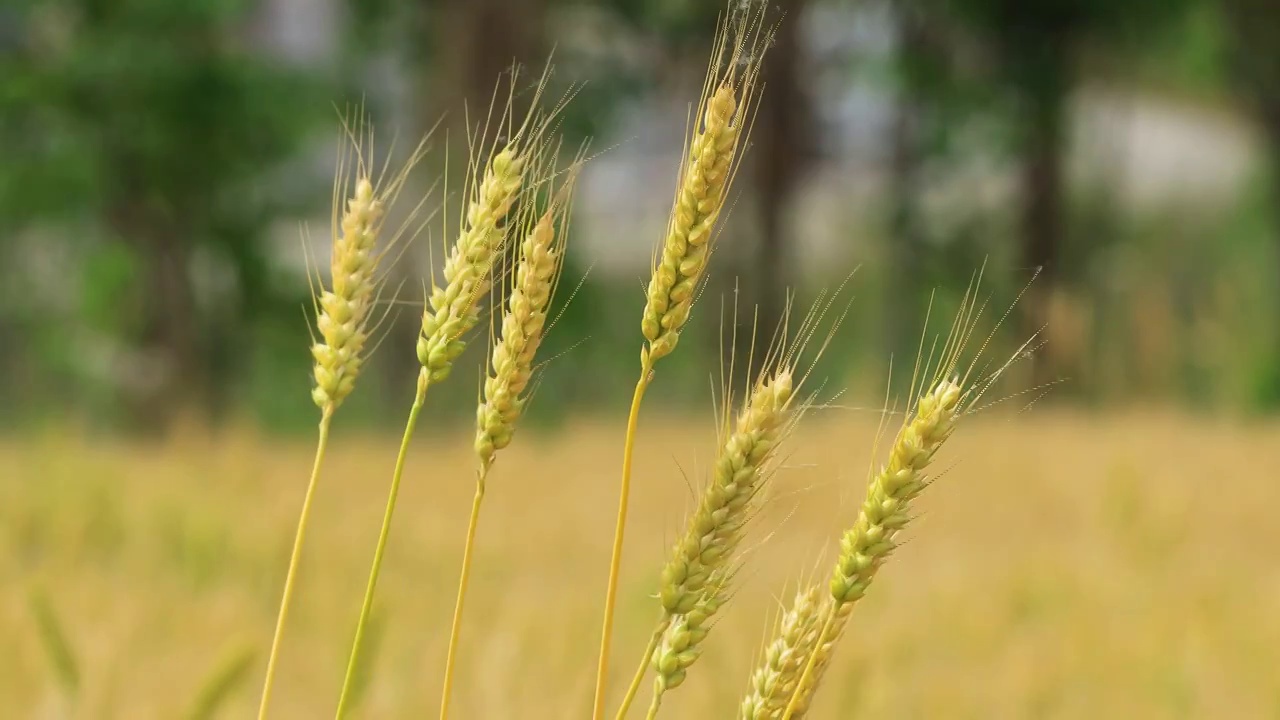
(1065,566)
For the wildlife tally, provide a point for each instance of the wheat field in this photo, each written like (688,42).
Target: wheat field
(1066,565)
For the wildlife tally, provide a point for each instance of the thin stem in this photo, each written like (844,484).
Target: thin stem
(322,442)
(653,706)
(463,582)
(615,562)
(813,660)
(353,661)
(644,666)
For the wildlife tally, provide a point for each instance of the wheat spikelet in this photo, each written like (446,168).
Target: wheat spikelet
(721,123)
(803,686)
(537,272)
(681,642)
(344,312)
(778,675)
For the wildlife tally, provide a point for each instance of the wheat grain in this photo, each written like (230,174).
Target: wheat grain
(866,545)
(798,685)
(886,510)
(681,640)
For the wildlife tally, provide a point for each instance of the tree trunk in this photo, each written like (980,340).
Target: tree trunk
(1270,392)
(905,295)
(782,155)
(1255,28)
(1045,84)
(477,43)
(166,375)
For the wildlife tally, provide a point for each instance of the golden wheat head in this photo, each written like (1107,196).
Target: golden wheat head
(541,258)
(496,181)
(720,126)
(344,312)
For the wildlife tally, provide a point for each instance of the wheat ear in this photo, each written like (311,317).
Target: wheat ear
(725,108)
(778,674)
(537,274)
(696,576)
(942,396)
(344,316)
(496,182)
(886,510)
(704,559)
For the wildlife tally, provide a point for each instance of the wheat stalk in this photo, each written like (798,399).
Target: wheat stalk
(344,316)
(722,120)
(495,184)
(541,258)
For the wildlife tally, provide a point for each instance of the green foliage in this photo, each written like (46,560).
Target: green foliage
(228,676)
(53,638)
(142,128)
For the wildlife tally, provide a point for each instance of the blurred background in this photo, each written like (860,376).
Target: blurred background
(160,160)
(164,164)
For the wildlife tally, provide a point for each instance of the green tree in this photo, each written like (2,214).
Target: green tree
(146,125)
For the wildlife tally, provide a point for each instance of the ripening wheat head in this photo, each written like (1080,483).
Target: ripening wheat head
(697,577)
(496,181)
(537,273)
(778,675)
(941,395)
(720,125)
(715,528)
(344,312)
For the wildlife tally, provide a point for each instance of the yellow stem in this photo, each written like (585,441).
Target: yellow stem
(463,581)
(808,666)
(615,562)
(644,666)
(322,442)
(367,606)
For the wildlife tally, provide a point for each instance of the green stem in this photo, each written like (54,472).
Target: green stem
(615,562)
(295,558)
(653,706)
(463,580)
(367,606)
(644,666)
